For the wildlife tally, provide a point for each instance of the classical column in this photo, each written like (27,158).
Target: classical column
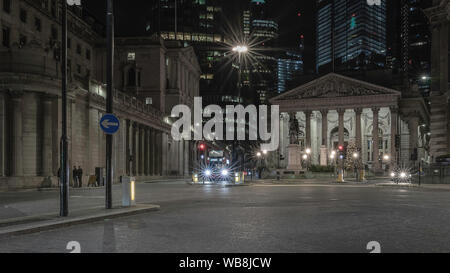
(308,129)
(47,140)
(375,140)
(146,149)
(187,152)
(358,112)
(127,147)
(394,117)
(134,149)
(17,136)
(324,143)
(2,134)
(152,152)
(341,113)
(141,150)
(159,153)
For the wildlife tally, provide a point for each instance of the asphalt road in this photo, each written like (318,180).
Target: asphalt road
(264,218)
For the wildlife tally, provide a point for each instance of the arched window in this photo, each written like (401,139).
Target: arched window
(131,77)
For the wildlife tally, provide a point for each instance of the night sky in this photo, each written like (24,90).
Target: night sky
(131,18)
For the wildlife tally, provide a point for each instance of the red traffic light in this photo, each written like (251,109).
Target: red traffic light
(341,148)
(201,147)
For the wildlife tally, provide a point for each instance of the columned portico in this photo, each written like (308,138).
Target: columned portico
(353,114)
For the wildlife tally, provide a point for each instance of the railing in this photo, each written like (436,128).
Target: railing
(438,173)
(124,99)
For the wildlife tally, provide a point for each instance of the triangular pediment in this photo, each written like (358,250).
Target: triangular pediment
(334,86)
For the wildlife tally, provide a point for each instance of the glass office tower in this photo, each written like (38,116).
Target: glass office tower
(351,35)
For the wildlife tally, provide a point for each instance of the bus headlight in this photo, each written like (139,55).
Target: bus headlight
(225,172)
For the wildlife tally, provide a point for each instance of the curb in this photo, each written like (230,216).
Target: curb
(58,222)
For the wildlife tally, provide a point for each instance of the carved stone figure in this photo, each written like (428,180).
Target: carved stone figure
(294,129)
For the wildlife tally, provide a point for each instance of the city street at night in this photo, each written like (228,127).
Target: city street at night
(257,218)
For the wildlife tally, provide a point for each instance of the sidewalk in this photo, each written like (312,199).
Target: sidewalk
(34,211)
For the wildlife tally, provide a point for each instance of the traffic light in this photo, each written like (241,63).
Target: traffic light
(201,147)
(341,152)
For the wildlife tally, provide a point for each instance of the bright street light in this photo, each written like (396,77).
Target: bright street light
(258,154)
(240,49)
(305,156)
(386,157)
(308,151)
(355,155)
(264,152)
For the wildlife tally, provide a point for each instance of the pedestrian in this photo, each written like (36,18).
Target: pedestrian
(80,176)
(74,176)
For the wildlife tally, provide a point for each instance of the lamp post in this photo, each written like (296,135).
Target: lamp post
(109,99)
(240,49)
(63,174)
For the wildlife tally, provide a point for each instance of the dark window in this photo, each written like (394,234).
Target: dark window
(7,6)
(69,43)
(53,8)
(69,65)
(22,40)
(78,69)
(6,33)
(139,78)
(23,15)
(88,54)
(79,49)
(131,77)
(54,33)
(38,24)
(88,73)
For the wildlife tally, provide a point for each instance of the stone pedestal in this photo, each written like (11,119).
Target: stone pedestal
(294,158)
(323,156)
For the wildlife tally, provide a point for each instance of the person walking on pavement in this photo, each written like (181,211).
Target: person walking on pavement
(80,176)
(75,176)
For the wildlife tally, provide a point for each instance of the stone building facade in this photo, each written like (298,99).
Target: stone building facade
(335,110)
(439,16)
(150,77)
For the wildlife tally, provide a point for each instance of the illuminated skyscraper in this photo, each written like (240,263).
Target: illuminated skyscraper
(351,35)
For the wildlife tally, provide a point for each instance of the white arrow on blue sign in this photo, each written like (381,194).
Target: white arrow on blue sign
(109,124)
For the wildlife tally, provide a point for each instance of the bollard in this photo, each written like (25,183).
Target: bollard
(362,175)
(341,176)
(128,191)
(195,178)
(237,177)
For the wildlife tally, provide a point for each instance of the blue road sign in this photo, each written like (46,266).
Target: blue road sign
(109,124)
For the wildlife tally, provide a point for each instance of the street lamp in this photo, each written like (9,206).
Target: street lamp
(308,151)
(240,49)
(355,155)
(258,154)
